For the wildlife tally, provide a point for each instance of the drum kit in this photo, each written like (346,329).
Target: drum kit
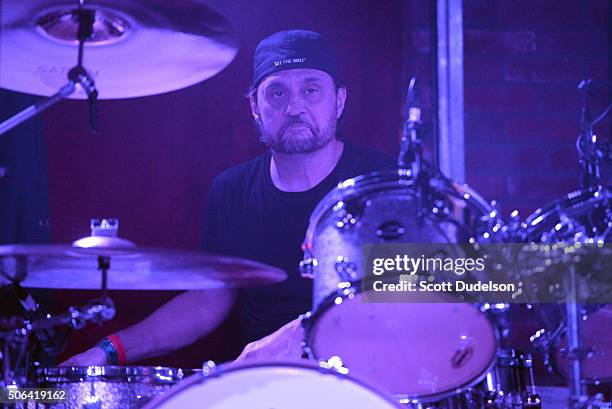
(358,354)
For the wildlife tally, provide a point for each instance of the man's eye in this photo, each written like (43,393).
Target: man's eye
(311,91)
(278,94)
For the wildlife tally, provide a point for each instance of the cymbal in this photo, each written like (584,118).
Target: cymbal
(139,47)
(131,268)
(543,267)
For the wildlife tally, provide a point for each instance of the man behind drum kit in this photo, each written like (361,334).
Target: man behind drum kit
(260,209)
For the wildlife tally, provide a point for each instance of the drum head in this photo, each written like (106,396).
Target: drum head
(411,349)
(272,385)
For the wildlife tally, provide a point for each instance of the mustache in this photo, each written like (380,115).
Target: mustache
(297,122)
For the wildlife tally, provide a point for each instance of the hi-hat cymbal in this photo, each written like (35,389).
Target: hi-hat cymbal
(139,47)
(131,268)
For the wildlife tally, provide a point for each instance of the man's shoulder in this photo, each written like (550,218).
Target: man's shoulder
(240,175)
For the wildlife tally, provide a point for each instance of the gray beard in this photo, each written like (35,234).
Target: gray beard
(316,141)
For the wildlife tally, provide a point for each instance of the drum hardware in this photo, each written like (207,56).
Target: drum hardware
(346,269)
(61,266)
(592,155)
(77,76)
(508,385)
(546,342)
(133,50)
(208,368)
(378,207)
(498,314)
(307,267)
(577,226)
(411,154)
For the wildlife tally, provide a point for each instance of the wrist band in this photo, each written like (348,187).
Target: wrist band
(113,349)
(109,350)
(116,341)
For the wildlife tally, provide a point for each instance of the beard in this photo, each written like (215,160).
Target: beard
(306,139)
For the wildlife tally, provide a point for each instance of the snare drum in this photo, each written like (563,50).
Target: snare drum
(272,385)
(109,387)
(414,350)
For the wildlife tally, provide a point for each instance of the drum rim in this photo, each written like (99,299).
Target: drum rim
(328,303)
(107,373)
(359,185)
(275,363)
(580,196)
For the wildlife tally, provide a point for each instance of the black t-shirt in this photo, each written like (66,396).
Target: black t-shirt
(247,216)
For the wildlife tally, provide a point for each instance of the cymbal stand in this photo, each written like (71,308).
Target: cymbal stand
(77,76)
(592,155)
(578,398)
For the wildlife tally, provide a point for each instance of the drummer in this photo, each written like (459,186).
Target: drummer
(260,209)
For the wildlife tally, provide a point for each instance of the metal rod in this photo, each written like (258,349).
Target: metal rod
(577,391)
(37,108)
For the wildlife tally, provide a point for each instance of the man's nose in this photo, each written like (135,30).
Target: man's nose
(296,105)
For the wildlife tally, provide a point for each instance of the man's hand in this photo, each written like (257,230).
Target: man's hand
(286,342)
(93,356)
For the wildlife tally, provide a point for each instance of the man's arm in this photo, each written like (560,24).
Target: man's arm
(178,323)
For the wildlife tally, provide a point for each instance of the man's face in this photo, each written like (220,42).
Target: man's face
(297,110)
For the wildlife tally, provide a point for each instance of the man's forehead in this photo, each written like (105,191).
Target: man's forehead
(296,75)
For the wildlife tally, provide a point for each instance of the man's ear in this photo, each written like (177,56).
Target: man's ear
(340,101)
(254,108)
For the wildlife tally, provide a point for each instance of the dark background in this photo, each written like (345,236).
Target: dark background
(152,160)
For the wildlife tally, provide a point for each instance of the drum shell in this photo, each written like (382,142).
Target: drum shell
(109,387)
(508,384)
(384,207)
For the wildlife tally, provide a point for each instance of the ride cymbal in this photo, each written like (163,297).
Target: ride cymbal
(138,47)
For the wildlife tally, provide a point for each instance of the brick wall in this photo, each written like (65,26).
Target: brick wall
(522,62)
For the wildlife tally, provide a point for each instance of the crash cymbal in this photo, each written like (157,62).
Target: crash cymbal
(139,47)
(131,268)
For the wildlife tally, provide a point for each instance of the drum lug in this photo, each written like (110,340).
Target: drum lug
(307,267)
(532,401)
(345,220)
(346,269)
(96,404)
(209,368)
(335,364)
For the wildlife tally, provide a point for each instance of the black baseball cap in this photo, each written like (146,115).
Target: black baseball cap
(292,49)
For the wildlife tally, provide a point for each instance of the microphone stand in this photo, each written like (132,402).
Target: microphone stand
(76,76)
(591,155)
(410,160)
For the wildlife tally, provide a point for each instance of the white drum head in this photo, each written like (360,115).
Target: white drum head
(273,385)
(410,349)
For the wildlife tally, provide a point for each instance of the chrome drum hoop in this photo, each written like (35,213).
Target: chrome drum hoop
(376,181)
(157,375)
(206,381)
(557,221)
